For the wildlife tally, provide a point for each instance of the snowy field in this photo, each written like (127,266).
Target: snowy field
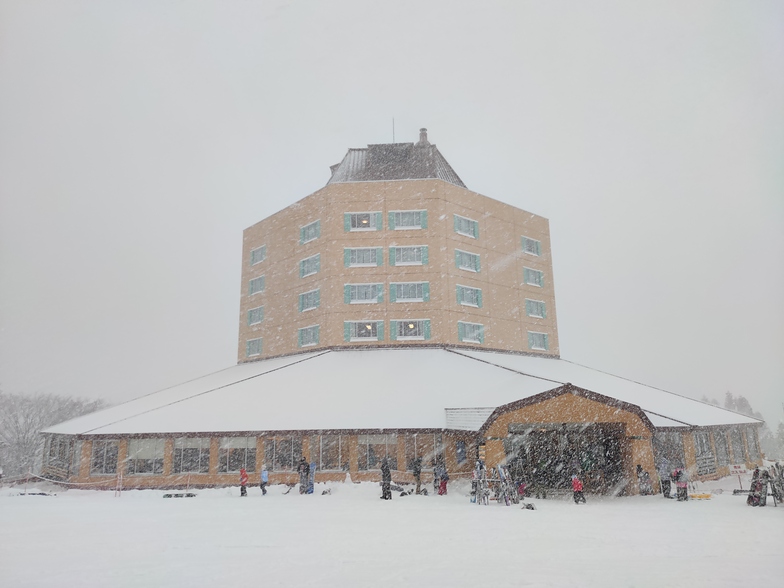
(351,538)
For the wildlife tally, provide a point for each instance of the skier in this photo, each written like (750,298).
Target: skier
(417,469)
(664,476)
(386,480)
(303,469)
(264,479)
(681,480)
(644,481)
(577,488)
(243,482)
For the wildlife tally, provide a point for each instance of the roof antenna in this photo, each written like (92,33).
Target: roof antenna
(393,129)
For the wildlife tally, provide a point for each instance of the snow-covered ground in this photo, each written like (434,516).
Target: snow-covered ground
(351,538)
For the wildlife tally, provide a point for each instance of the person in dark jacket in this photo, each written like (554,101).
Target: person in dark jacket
(303,469)
(417,469)
(644,481)
(386,480)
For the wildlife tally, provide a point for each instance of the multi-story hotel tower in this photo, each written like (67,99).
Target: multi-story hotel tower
(396,250)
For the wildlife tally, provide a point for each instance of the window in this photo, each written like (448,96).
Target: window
(145,456)
(400,220)
(310,232)
(236,453)
(253,347)
(255,315)
(466,226)
(329,452)
(310,266)
(363,293)
(669,446)
(706,463)
(363,221)
(58,451)
(256,285)
(532,246)
(191,455)
(411,329)
(363,331)
(363,257)
(409,292)
(308,336)
(258,255)
(533,277)
(282,454)
(104,457)
(372,449)
(469,296)
(470,332)
(427,446)
(752,444)
(460,452)
(408,255)
(309,300)
(535,308)
(738,454)
(467,261)
(722,449)
(537,341)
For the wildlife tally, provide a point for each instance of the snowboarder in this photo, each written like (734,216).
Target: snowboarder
(441,477)
(264,479)
(303,469)
(417,469)
(243,482)
(386,480)
(664,476)
(681,480)
(644,481)
(577,489)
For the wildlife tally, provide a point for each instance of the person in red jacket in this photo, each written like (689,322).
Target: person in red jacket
(577,487)
(243,482)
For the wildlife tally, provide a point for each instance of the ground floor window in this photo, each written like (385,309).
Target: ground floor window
(736,440)
(282,454)
(145,456)
(329,452)
(460,452)
(669,445)
(706,463)
(372,449)
(191,455)
(236,453)
(427,446)
(752,444)
(58,451)
(722,449)
(104,457)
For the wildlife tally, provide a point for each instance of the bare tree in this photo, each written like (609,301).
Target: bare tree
(22,418)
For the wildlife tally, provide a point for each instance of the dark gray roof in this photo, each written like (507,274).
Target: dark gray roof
(395,161)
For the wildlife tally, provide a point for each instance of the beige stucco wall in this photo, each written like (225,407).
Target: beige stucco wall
(501,228)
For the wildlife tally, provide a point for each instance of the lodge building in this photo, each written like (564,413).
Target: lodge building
(396,314)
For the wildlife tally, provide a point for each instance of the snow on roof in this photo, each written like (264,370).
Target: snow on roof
(374,389)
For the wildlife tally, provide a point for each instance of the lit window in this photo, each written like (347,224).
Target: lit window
(535,308)
(470,332)
(256,285)
(466,226)
(409,292)
(145,456)
(362,257)
(408,255)
(364,331)
(253,347)
(309,300)
(191,455)
(255,315)
(532,246)
(310,232)
(363,293)
(410,329)
(533,277)
(258,255)
(467,261)
(469,296)
(362,221)
(310,266)
(537,341)
(408,219)
(236,453)
(308,336)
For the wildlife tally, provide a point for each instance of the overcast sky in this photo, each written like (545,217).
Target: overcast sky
(139,138)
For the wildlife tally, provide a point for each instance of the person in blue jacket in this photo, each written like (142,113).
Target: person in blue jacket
(264,479)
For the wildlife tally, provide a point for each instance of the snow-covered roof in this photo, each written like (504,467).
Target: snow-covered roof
(375,389)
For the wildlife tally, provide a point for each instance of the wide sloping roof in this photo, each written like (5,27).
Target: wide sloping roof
(374,389)
(394,161)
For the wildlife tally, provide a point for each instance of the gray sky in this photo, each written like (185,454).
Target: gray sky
(139,138)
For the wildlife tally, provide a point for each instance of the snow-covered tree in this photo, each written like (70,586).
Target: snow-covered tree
(22,418)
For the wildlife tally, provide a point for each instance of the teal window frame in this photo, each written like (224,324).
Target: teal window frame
(466,334)
(310,232)
(533,277)
(395,250)
(351,221)
(535,308)
(531,246)
(395,217)
(351,293)
(256,285)
(308,336)
(253,347)
(470,262)
(532,335)
(304,265)
(311,297)
(258,254)
(465,293)
(397,325)
(349,251)
(351,330)
(465,226)
(395,291)
(255,315)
